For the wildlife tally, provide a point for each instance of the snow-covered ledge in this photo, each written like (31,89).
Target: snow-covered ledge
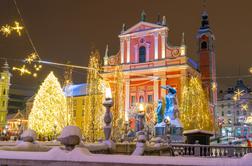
(80,156)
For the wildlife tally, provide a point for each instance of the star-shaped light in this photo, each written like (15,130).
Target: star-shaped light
(6,30)
(244,107)
(239,93)
(17,28)
(23,70)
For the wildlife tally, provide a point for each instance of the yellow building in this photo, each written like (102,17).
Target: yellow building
(76,95)
(4,94)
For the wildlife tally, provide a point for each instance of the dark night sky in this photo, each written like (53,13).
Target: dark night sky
(65,30)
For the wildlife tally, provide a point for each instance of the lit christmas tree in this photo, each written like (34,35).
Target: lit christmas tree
(94,111)
(118,107)
(194,106)
(49,114)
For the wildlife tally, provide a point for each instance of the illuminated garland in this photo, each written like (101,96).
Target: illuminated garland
(118,107)
(93,109)
(49,114)
(6,30)
(194,106)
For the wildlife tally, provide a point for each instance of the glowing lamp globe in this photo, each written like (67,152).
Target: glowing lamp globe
(108,94)
(250,70)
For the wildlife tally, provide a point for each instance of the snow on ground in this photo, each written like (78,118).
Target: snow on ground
(82,155)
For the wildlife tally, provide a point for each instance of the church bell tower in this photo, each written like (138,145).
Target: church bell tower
(4,94)
(206,55)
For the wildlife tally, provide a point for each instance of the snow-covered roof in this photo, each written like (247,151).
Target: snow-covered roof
(187,132)
(76,90)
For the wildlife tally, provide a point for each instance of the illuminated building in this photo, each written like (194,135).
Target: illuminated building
(148,61)
(4,94)
(77,93)
(234,112)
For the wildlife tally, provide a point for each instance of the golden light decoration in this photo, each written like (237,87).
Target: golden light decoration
(17,28)
(239,93)
(49,108)
(235,98)
(250,70)
(7,29)
(214,86)
(23,70)
(244,107)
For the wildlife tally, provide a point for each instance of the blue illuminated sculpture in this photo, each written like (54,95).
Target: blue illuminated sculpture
(159,112)
(171,103)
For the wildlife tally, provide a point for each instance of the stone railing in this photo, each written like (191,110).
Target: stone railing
(189,150)
(210,150)
(172,149)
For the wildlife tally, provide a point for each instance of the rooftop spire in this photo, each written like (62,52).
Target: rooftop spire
(204,17)
(105,59)
(164,21)
(6,66)
(183,39)
(143,16)
(123,28)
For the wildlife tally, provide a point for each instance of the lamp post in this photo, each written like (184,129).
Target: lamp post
(108,115)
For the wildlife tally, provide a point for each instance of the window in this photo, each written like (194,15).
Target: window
(204,45)
(237,113)
(133,100)
(229,113)
(222,113)
(74,103)
(141,99)
(150,100)
(4,92)
(229,121)
(82,113)
(142,54)
(74,113)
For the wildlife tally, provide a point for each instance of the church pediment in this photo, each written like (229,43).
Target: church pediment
(142,26)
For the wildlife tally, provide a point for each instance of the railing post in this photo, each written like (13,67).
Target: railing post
(197,148)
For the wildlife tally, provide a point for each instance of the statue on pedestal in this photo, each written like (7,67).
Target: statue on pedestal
(168,121)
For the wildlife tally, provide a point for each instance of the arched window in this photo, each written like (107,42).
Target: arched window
(204,45)
(142,54)
(141,99)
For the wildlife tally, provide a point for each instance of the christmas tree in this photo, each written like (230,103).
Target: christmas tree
(194,106)
(93,109)
(49,114)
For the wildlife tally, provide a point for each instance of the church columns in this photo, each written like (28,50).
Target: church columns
(163,37)
(156,91)
(127,98)
(163,83)
(122,50)
(156,46)
(136,53)
(128,49)
(147,52)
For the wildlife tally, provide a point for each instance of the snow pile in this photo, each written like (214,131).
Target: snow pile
(26,146)
(70,131)
(140,145)
(29,133)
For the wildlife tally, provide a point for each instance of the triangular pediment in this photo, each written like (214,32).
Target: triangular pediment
(142,26)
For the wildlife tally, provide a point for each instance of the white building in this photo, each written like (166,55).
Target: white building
(233,109)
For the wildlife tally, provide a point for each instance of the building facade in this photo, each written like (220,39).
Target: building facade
(4,94)
(233,111)
(149,62)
